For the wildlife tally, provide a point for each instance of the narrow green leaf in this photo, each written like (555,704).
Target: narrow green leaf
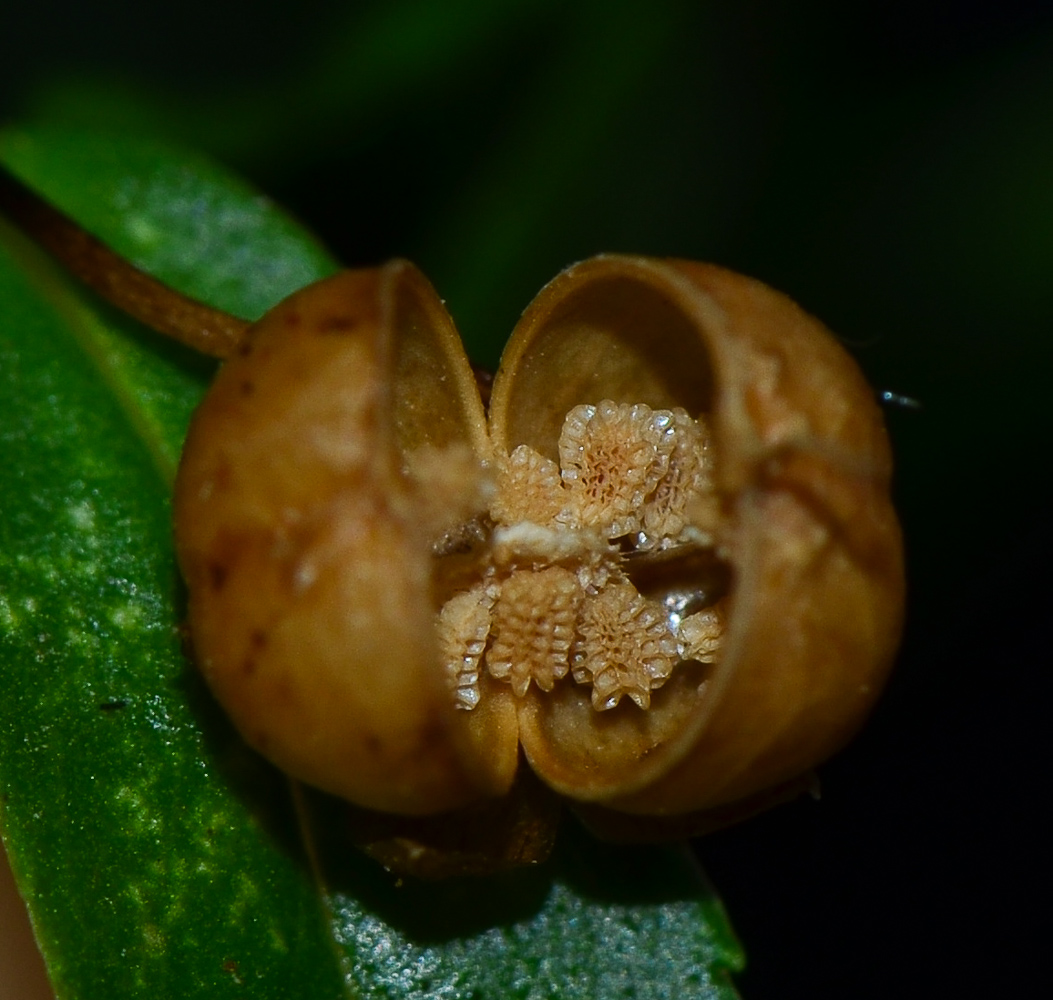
(159,857)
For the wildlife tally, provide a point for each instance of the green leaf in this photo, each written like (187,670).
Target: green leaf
(159,856)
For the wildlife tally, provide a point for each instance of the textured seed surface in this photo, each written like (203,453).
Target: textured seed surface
(464,624)
(556,600)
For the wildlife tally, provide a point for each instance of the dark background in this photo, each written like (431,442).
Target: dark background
(890,165)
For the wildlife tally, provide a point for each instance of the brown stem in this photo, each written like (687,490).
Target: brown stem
(148,300)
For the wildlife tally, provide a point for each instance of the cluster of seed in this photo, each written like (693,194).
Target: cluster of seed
(555,598)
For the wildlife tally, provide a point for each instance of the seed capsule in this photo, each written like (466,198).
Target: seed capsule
(665,564)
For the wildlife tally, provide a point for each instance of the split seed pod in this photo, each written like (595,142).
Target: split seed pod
(664,565)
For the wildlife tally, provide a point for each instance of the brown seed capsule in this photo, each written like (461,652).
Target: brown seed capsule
(782,577)
(666,564)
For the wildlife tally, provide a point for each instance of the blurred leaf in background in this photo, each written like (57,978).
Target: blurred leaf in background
(889,165)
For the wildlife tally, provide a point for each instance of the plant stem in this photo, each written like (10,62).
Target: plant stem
(143,297)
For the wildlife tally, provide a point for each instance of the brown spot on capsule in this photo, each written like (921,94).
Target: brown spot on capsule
(337,324)
(217,575)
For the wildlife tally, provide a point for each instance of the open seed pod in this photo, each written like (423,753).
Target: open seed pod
(781,574)
(666,566)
